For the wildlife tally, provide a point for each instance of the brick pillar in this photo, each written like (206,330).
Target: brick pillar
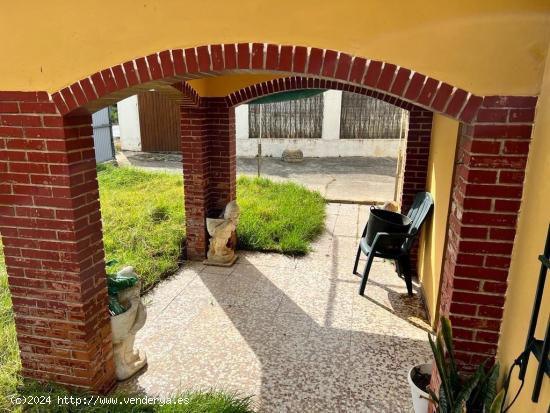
(416,155)
(222,153)
(209,166)
(486,198)
(51,231)
(416,163)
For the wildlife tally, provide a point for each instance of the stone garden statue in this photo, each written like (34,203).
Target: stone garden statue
(125,326)
(220,251)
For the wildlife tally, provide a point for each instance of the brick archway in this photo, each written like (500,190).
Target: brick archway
(420,123)
(269,87)
(162,70)
(50,221)
(418,137)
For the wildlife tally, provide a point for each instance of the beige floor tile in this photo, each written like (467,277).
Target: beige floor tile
(293,333)
(332,208)
(350,210)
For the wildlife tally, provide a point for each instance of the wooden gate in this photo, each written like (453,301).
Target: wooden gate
(159,123)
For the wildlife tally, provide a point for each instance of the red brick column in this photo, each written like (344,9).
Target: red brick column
(416,156)
(222,153)
(194,146)
(209,166)
(51,231)
(488,186)
(416,163)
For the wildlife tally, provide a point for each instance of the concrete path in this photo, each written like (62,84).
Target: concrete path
(291,332)
(342,179)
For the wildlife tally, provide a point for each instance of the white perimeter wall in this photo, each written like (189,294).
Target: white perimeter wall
(318,148)
(330,143)
(128,121)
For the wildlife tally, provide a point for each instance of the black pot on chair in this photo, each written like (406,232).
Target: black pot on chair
(381,220)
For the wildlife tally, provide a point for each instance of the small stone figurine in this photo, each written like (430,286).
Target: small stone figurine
(221,230)
(124,328)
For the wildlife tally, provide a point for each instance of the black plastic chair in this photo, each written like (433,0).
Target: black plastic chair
(421,207)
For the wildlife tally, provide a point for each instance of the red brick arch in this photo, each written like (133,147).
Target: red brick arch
(493,148)
(161,70)
(49,211)
(418,137)
(269,87)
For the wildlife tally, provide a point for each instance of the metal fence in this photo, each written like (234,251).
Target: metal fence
(293,119)
(364,117)
(103,138)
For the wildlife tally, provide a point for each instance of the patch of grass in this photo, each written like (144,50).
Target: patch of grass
(9,352)
(280,217)
(143,220)
(186,402)
(211,402)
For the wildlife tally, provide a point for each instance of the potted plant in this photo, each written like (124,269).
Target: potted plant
(457,393)
(419,379)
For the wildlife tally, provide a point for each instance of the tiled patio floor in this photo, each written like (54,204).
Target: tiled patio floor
(294,333)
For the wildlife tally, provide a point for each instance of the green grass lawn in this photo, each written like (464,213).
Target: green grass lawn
(9,353)
(143,226)
(143,220)
(185,402)
(281,217)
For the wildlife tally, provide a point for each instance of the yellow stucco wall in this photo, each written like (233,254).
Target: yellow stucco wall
(524,269)
(486,47)
(438,183)
(224,85)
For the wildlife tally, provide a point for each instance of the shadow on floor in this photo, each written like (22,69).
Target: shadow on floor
(292,332)
(313,363)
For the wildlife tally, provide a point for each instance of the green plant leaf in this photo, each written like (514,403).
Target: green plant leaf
(469,386)
(433,396)
(452,389)
(475,402)
(443,405)
(440,364)
(490,387)
(447,333)
(496,405)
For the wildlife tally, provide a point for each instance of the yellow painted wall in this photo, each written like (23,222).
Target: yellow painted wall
(524,269)
(486,47)
(224,85)
(438,183)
